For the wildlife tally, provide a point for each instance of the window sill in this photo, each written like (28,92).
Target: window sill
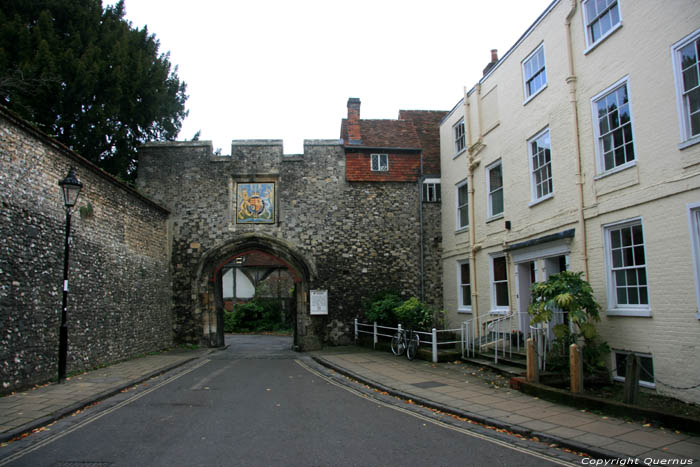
(464,310)
(459,153)
(529,98)
(689,142)
(602,39)
(645,384)
(542,199)
(462,230)
(499,311)
(494,218)
(617,169)
(638,312)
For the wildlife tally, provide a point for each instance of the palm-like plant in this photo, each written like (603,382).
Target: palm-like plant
(569,293)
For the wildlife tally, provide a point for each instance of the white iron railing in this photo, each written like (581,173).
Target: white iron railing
(543,335)
(496,334)
(492,334)
(426,338)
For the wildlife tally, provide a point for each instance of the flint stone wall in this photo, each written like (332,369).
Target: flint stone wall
(119,301)
(363,237)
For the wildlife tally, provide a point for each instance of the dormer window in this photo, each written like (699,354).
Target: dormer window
(380,162)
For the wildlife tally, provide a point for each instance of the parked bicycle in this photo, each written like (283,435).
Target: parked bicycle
(405,341)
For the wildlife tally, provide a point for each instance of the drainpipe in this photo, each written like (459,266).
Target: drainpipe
(478,111)
(571,81)
(420,229)
(467,120)
(470,213)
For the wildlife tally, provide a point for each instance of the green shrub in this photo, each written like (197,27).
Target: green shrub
(229,321)
(381,309)
(387,309)
(415,314)
(257,315)
(569,293)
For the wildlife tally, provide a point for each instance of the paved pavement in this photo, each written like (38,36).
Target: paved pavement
(24,411)
(485,397)
(460,389)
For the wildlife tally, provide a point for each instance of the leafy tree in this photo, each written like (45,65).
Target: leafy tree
(84,75)
(569,293)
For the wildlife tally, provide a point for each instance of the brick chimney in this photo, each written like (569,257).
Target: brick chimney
(354,136)
(494,60)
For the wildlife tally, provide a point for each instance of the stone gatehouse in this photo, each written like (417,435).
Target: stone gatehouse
(352,217)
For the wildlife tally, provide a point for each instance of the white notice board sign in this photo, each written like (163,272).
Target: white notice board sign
(319,302)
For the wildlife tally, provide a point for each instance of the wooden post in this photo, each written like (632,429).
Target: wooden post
(575,369)
(533,368)
(632,379)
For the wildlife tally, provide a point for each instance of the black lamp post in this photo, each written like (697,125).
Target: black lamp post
(71,190)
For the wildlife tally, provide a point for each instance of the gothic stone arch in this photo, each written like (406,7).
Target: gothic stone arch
(208,309)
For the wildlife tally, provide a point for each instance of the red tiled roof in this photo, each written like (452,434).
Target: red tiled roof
(427,125)
(384,134)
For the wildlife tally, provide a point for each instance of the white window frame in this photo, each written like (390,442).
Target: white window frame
(694,226)
(642,382)
(495,308)
(683,111)
(489,193)
(600,161)
(379,166)
(461,225)
(459,137)
(427,183)
(590,44)
(613,308)
(461,307)
(533,180)
(543,70)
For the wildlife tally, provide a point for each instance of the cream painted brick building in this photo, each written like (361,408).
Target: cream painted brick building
(584,145)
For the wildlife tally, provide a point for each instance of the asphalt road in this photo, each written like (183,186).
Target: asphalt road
(260,404)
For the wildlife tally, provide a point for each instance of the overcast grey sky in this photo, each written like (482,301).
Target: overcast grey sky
(278,69)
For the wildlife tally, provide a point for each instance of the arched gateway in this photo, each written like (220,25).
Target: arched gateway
(208,288)
(345,220)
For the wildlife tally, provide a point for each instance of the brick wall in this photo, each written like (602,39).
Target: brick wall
(119,299)
(403,167)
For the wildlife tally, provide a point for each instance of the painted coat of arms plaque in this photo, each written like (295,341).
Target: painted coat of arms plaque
(255,203)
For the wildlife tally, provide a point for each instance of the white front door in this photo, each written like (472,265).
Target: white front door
(526,275)
(532,265)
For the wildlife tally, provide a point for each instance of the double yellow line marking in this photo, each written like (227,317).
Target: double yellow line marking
(464,431)
(99,415)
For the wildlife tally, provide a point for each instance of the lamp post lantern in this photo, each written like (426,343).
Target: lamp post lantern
(71,190)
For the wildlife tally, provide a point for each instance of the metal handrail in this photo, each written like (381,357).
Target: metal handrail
(543,335)
(490,331)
